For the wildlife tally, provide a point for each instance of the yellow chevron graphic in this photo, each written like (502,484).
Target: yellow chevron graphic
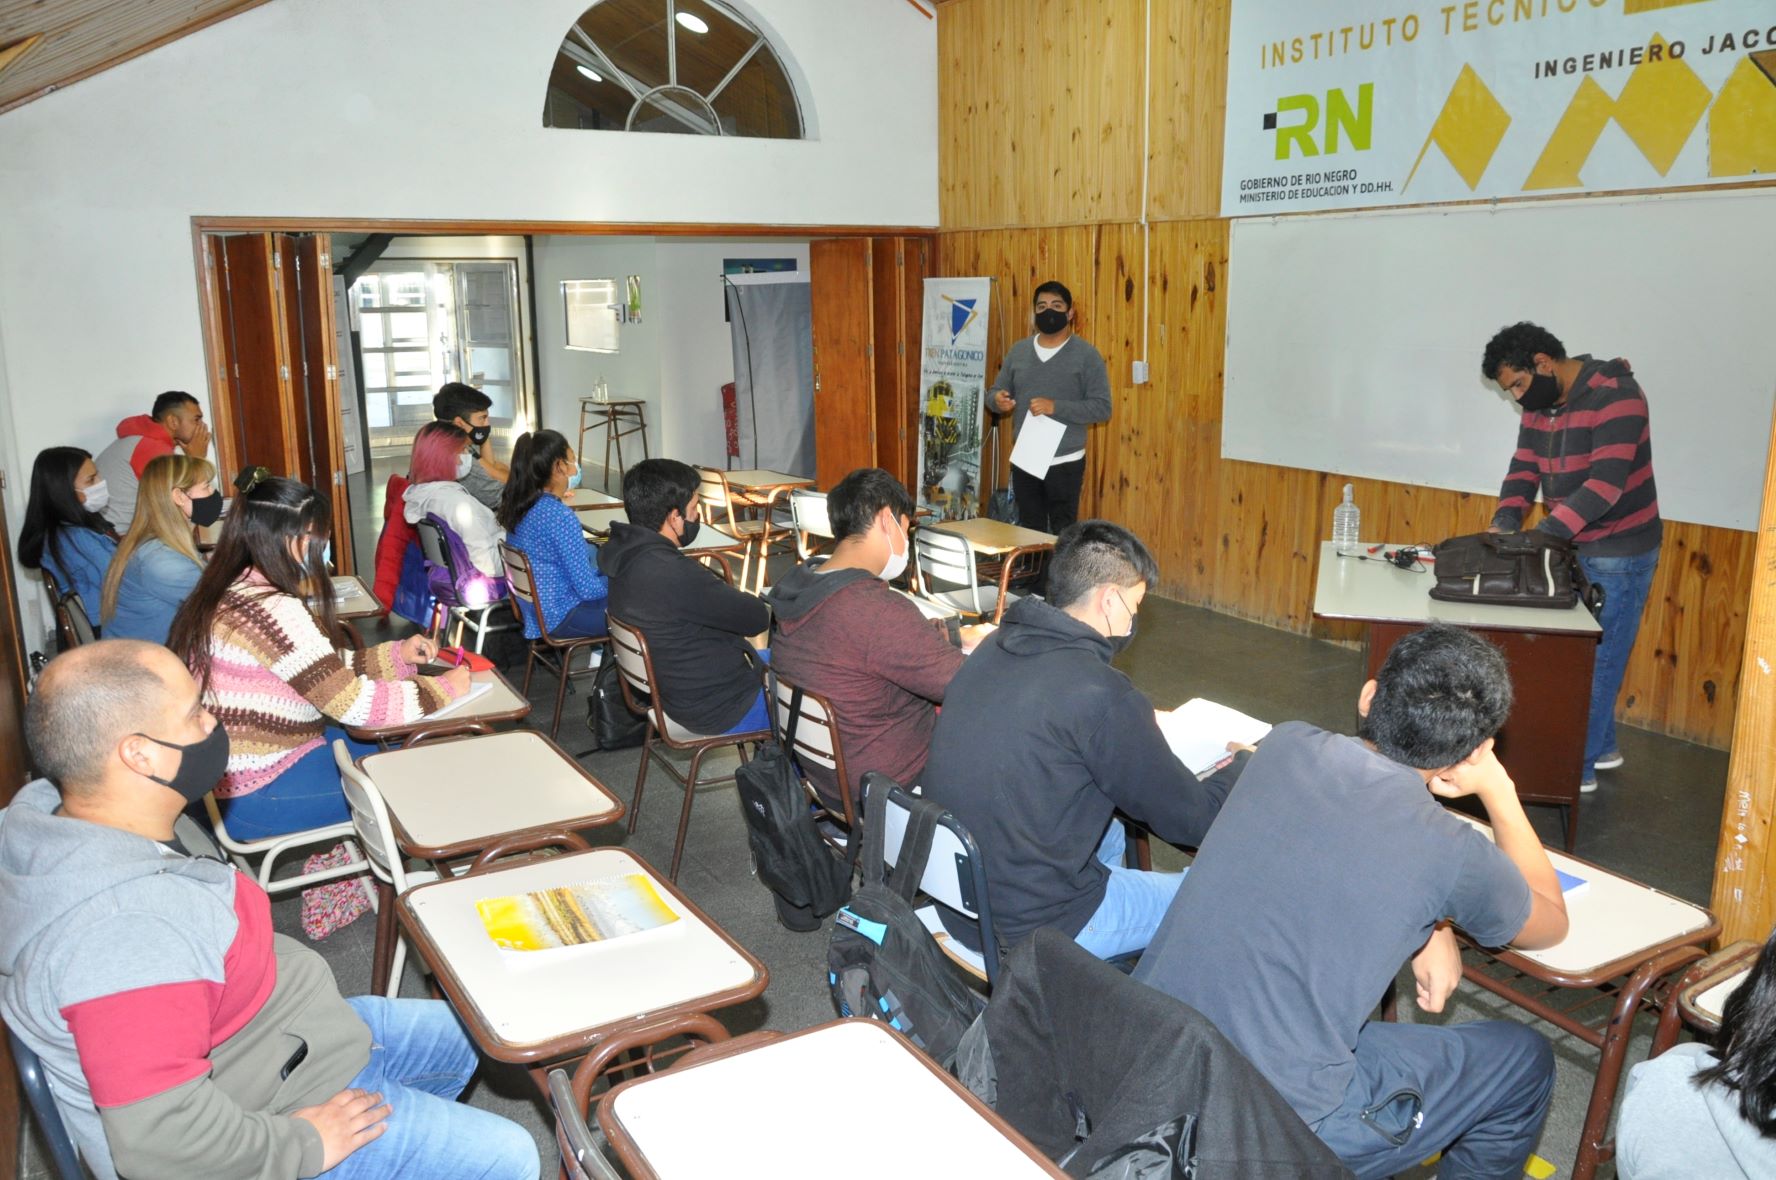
(1574,137)
(1660,105)
(1742,124)
(1630,7)
(1468,130)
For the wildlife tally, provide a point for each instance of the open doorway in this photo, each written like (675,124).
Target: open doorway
(420,311)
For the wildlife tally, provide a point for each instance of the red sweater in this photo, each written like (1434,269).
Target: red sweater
(884,667)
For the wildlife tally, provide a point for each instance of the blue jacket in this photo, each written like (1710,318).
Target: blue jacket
(78,558)
(155,584)
(565,569)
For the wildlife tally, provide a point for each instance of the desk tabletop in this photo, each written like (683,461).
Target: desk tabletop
(584,499)
(453,796)
(993,537)
(762,480)
(1612,920)
(590,402)
(352,598)
(1374,591)
(542,1010)
(731,1114)
(501,702)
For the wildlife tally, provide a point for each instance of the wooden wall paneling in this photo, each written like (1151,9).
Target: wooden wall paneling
(894,262)
(289,304)
(257,354)
(225,426)
(320,387)
(1745,860)
(1046,96)
(839,277)
(1188,107)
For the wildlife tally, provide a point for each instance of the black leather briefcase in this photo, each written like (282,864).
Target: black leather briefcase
(1512,569)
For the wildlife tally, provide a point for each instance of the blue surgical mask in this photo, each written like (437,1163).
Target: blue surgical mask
(573,481)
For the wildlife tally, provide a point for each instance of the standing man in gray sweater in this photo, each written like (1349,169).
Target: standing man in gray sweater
(1057,374)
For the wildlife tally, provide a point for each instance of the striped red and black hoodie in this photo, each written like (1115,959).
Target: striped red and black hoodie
(162,1004)
(1591,459)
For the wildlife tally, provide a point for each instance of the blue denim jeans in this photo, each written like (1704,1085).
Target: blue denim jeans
(586,619)
(758,717)
(1476,1092)
(1134,902)
(1625,582)
(420,1060)
(307,795)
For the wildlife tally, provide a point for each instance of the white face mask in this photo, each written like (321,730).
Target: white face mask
(465,463)
(897,562)
(96,497)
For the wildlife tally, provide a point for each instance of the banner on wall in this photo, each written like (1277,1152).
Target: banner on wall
(1397,102)
(952,379)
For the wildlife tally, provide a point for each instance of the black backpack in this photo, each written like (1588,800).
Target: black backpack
(881,961)
(808,878)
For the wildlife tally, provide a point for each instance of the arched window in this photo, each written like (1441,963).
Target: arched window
(690,67)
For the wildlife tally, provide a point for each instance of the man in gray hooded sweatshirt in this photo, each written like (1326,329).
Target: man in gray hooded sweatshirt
(182,1037)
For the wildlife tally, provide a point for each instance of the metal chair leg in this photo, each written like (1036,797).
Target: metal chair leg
(529,666)
(561,690)
(382,960)
(684,814)
(641,774)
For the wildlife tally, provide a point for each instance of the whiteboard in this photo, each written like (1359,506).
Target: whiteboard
(1354,340)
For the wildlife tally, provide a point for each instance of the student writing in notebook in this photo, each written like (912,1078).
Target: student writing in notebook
(1041,741)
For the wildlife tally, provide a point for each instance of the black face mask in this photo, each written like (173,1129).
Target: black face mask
(201,764)
(1050,320)
(480,434)
(206,510)
(689,535)
(1119,643)
(1543,392)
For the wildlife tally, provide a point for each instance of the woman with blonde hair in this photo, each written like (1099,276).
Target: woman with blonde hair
(156,564)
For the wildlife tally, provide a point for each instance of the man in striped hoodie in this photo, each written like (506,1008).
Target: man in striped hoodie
(1585,445)
(182,1036)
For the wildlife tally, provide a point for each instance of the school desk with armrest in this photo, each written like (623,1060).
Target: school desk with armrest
(1625,945)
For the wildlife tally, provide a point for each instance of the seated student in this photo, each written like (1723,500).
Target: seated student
(1700,1111)
(181,1035)
(176,423)
(279,675)
(842,632)
(156,564)
(63,531)
(441,457)
(465,407)
(1041,741)
(1333,864)
(569,588)
(697,626)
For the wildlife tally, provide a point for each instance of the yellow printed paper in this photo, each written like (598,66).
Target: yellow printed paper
(574,915)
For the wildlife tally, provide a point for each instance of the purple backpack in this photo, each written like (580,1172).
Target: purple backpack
(471,589)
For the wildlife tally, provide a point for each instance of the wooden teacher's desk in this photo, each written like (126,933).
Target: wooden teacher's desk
(1549,652)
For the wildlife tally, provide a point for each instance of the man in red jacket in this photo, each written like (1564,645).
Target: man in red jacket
(176,421)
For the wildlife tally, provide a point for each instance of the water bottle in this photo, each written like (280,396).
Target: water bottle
(1347,525)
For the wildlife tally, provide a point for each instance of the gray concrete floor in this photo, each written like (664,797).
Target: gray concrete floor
(1654,819)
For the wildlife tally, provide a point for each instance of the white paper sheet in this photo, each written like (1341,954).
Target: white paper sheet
(1038,442)
(1198,732)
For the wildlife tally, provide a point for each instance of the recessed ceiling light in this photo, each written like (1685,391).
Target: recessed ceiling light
(588,72)
(695,24)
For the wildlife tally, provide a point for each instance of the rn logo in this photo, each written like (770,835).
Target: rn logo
(1304,112)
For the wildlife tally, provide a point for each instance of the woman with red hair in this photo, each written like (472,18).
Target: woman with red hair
(441,457)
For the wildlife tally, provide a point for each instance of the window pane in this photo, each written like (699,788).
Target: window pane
(632,34)
(412,363)
(489,364)
(759,101)
(704,59)
(413,397)
(375,368)
(371,330)
(503,401)
(409,328)
(404,290)
(376,409)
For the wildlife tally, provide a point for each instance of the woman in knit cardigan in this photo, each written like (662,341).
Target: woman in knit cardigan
(279,676)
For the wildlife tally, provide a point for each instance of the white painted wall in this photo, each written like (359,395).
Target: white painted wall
(676,359)
(401,109)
